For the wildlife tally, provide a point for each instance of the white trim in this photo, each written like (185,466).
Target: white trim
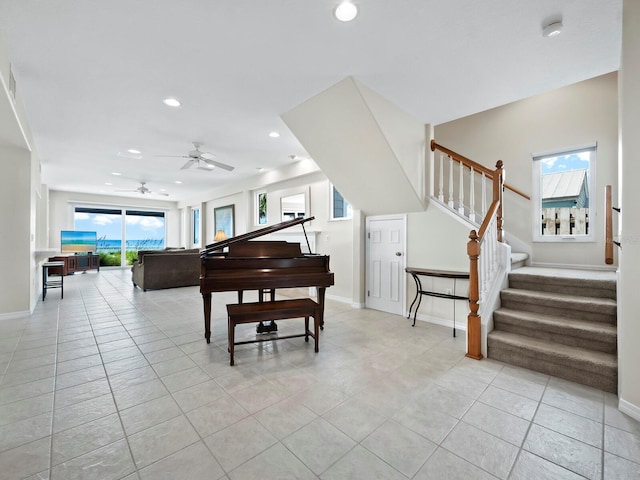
(629,408)
(13,315)
(82,203)
(332,187)
(438,321)
(337,298)
(560,151)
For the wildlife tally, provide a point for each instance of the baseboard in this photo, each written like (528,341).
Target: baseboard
(576,267)
(335,298)
(13,315)
(439,321)
(359,306)
(629,408)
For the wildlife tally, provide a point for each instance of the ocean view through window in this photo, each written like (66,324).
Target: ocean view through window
(136,229)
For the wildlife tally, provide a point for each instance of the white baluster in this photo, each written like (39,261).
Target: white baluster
(472,196)
(441,179)
(461,189)
(451,182)
(484,195)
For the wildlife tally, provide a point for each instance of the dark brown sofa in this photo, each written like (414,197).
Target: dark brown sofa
(156,269)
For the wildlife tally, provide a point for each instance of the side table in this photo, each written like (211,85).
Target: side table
(53,281)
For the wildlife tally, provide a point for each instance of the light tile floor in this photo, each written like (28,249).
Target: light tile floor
(116,383)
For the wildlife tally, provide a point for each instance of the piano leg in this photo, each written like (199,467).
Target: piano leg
(321,292)
(206,300)
(271,327)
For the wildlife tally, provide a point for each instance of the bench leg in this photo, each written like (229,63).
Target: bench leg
(231,329)
(316,331)
(306,328)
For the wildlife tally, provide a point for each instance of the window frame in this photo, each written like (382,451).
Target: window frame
(195,226)
(536,196)
(349,208)
(257,208)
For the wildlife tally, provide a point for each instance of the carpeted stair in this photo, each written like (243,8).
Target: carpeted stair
(559,322)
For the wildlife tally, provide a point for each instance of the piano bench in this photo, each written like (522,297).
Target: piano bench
(278,310)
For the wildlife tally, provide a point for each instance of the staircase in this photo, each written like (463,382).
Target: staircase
(559,322)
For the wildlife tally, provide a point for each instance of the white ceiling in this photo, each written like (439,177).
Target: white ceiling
(92,73)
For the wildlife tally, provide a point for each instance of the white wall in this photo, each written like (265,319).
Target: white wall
(15,234)
(629,272)
(572,116)
(436,241)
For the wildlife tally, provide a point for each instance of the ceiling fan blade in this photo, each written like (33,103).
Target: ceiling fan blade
(188,164)
(223,166)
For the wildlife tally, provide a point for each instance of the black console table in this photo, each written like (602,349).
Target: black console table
(416,273)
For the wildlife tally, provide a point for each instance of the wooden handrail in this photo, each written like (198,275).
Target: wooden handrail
(487,219)
(476,166)
(608,226)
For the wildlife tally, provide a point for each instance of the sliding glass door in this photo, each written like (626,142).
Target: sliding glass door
(118,227)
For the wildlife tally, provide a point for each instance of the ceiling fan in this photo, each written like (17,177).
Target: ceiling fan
(201,160)
(143,190)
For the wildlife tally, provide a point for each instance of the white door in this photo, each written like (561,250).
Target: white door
(386,246)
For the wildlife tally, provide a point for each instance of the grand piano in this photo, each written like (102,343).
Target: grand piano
(261,265)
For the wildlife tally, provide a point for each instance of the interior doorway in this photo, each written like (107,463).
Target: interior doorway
(385,263)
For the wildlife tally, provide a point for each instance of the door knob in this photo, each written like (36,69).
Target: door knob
(398,254)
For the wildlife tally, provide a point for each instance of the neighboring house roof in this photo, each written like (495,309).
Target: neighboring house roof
(563,184)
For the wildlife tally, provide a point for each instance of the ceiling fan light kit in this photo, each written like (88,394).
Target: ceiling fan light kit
(201,160)
(143,190)
(552,30)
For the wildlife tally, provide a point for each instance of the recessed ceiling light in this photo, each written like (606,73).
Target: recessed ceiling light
(260,169)
(552,30)
(274,134)
(133,150)
(346,11)
(116,174)
(171,102)
(108,183)
(178,181)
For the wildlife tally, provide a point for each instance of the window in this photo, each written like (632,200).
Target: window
(195,224)
(143,230)
(562,189)
(261,208)
(340,208)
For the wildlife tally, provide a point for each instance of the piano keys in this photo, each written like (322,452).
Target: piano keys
(261,265)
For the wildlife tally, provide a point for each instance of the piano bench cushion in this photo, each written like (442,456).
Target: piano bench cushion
(277,310)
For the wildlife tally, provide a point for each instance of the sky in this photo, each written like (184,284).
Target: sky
(564,163)
(110,226)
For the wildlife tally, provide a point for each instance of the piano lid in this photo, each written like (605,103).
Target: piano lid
(217,246)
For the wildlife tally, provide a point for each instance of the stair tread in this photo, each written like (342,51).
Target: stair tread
(560,296)
(562,322)
(557,350)
(560,275)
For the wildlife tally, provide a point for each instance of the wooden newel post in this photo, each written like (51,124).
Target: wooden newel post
(498,189)
(474,326)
